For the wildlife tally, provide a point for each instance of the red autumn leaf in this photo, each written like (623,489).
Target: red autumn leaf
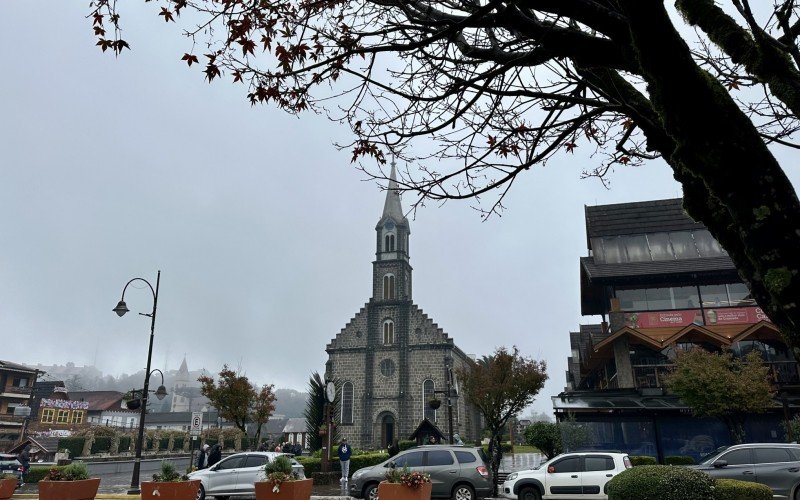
(733,85)
(211,71)
(492,141)
(247,46)
(98,19)
(237,77)
(570,146)
(99,31)
(189,58)
(121,44)
(105,44)
(624,160)
(628,123)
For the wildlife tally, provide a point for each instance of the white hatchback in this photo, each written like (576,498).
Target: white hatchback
(237,474)
(570,475)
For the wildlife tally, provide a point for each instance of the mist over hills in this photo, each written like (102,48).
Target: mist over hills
(288,402)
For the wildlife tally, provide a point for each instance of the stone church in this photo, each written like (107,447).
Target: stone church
(391,358)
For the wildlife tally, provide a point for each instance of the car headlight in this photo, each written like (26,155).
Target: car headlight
(512,476)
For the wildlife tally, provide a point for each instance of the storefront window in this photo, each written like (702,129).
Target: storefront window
(714,295)
(739,295)
(659,299)
(632,300)
(686,297)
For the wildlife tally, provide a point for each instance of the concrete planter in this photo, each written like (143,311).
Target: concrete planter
(85,489)
(182,490)
(7,487)
(397,491)
(289,490)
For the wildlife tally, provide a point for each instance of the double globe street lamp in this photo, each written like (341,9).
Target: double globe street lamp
(121,309)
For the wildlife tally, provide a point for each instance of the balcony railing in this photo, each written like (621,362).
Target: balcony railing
(13,389)
(780,373)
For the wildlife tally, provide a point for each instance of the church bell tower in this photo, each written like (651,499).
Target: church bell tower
(391,275)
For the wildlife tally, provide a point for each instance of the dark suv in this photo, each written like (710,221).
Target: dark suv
(10,465)
(774,464)
(459,472)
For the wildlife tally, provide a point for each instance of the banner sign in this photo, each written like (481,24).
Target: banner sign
(64,404)
(685,317)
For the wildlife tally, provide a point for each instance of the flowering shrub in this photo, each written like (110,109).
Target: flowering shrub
(406,477)
(278,471)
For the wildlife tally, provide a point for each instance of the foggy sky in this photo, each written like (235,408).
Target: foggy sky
(112,169)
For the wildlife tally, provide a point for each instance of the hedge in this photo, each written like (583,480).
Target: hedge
(313,465)
(229,444)
(404,445)
(163,443)
(732,489)
(101,444)
(506,447)
(73,444)
(177,443)
(36,474)
(124,443)
(661,482)
(643,460)
(679,460)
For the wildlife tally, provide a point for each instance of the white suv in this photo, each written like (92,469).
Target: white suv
(570,475)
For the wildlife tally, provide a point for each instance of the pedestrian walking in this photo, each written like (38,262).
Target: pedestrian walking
(344,453)
(394,448)
(201,457)
(24,458)
(215,455)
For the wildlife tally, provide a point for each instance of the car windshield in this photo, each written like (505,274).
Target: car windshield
(710,456)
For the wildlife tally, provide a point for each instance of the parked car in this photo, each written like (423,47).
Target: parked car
(459,472)
(775,464)
(236,475)
(10,465)
(569,475)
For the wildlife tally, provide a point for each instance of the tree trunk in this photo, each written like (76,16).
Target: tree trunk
(495,456)
(735,426)
(732,182)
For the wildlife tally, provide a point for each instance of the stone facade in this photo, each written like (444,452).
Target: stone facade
(390,348)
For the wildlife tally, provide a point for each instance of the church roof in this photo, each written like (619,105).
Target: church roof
(184,368)
(392,206)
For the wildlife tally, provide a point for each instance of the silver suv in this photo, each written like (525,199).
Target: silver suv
(459,472)
(775,464)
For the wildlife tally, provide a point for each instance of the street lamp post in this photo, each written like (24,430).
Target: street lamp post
(121,309)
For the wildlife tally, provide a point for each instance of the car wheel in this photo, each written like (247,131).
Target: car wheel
(371,492)
(797,492)
(463,492)
(529,493)
(201,493)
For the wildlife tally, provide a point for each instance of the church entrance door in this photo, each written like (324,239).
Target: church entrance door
(387,430)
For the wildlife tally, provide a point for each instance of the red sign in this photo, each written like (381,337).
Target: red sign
(734,315)
(685,317)
(661,319)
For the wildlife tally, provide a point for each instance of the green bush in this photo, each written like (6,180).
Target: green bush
(661,482)
(177,443)
(406,444)
(101,444)
(546,436)
(312,465)
(124,444)
(229,444)
(163,443)
(637,460)
(506,447)
(732,489)
(679,460)
(36,474)
(73,444)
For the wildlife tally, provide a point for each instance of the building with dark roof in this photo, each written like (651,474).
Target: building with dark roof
(16,383)
(661,284)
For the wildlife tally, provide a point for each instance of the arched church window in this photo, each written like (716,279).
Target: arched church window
(387,367)
(388,287)
(347,403)
(427,395)
(388,332)
(388,243)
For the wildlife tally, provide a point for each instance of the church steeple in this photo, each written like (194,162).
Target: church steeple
(391,270)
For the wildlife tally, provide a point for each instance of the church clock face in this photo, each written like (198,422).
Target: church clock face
(330,391)
(389,225)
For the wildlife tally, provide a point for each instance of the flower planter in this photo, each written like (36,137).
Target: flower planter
(397,491)
(289,490)
(85,489)
(182,490)
(7,487)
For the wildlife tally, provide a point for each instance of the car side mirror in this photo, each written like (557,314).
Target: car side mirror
(720,464)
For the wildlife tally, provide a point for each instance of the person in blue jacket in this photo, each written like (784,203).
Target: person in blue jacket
(344,453)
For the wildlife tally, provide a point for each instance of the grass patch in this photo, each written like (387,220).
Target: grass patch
(523,448)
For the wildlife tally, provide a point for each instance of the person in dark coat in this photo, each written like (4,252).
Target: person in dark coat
(394,448)
(24,458)
(201,457)
(215,455)
(344,451)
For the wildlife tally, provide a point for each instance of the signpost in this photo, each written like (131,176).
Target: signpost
(195,427)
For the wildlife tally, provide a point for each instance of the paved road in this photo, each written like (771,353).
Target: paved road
(116,476)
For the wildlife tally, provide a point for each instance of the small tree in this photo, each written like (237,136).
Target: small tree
(315,410)
(546,436)
(501,386)
(239,401)
(719,385)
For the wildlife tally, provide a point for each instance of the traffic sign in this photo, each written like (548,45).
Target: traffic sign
(196,425)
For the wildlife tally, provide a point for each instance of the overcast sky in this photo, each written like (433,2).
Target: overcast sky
(112,169)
